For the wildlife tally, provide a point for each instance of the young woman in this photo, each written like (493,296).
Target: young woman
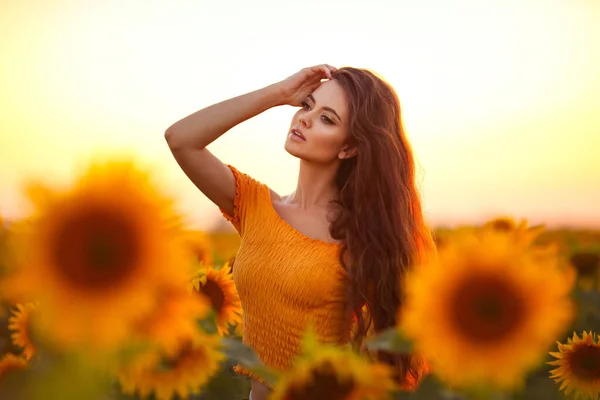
(331,253)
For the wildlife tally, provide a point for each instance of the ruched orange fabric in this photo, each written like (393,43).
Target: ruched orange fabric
(286,280)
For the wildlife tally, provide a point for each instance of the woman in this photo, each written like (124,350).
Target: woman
(331,253)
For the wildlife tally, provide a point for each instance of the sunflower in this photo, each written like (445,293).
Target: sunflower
(21,323)
(329,372)
(578,365)
(199,244)
(11,362)
(587,263)
(174,317)
(496,306)
(225,244)
(4,251)
(217,285)
(502,224)
(95,254)
(520,231)
(166,374)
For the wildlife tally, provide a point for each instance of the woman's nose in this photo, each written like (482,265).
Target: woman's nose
(304,120)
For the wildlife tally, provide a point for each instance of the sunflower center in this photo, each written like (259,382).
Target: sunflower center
(503,225)
(585,362)
(585,263)
(324,385)
(215,294)
(171,363)
(96,248)
(486,309)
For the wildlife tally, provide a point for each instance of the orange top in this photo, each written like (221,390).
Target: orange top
(285,280)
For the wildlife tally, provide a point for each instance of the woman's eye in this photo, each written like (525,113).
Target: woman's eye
(305,105)
(326,119)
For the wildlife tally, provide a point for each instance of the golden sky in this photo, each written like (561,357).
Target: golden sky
(500,98)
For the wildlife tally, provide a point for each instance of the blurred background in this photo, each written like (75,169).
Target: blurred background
(500,98)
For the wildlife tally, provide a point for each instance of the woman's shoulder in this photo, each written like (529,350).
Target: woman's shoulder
(275,197)
(245,181)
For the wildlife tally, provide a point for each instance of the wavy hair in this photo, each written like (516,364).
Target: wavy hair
(379,218)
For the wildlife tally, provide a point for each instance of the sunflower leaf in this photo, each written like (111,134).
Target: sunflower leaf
(239,352)
(430,388)
(266,374)
(390,340)
(209,324)
(481,391)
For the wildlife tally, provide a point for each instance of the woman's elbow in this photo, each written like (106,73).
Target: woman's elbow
(173,138)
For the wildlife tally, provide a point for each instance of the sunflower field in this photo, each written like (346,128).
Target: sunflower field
(106,294)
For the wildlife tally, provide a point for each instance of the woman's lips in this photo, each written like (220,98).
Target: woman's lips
(296,134)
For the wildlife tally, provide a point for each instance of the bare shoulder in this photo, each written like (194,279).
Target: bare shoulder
(276,198)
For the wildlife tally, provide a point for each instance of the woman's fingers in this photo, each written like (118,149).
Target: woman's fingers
(331,68)
(325,70)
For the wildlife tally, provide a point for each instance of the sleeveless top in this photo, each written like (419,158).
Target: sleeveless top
(286,281)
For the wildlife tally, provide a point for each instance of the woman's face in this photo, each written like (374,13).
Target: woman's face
(319,130)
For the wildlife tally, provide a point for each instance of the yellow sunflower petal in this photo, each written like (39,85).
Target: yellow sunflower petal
(175,316)
(21,325)
(11,362)
(198,243)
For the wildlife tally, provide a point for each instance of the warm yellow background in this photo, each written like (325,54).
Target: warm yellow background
(501,98)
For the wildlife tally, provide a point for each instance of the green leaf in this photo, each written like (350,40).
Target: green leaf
(266,374)
(60,376)
(209,324)
(237,351)
(390,340)
(484,392)
(429,389)
(225,385)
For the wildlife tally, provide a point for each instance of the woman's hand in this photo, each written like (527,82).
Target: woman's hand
(297,87)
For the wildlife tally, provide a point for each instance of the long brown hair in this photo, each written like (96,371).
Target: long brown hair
(379,218)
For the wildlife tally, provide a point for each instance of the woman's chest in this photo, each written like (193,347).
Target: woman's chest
(290,269)
(312,224)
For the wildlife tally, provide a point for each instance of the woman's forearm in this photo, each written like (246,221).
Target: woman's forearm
(201,128)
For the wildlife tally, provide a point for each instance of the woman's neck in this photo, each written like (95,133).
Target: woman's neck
(316,185)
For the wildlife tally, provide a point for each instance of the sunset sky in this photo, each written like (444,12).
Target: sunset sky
(501,99)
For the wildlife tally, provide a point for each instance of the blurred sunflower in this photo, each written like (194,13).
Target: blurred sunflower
(179,373)
(239,330)
(4,250)
(578,365)
(199,244)
(224,244)
(497,307)
(96,253)
(175,316)
(21,325)
(219,288)
(587,263)
(520,231)
(502,224)
(11,362)
(329,372)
